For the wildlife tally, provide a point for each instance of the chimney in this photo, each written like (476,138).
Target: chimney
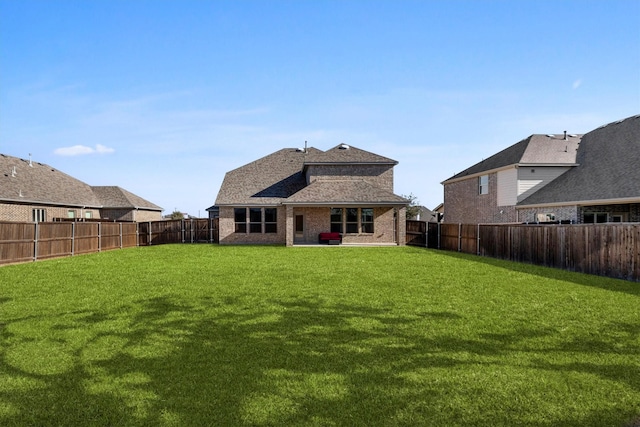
(565,135)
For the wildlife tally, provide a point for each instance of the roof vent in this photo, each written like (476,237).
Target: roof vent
(343,147)
(14,172)
(30,162)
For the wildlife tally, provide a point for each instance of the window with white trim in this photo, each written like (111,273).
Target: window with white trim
(483,184)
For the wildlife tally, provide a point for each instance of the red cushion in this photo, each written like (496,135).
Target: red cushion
(329,236)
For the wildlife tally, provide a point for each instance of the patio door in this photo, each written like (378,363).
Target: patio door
(299,232)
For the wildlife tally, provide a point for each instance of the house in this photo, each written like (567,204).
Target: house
(553,178)
(421,213)
(291,196)
(33,191)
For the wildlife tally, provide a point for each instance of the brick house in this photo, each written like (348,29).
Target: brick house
(547,178)
(291,196)
(32,191)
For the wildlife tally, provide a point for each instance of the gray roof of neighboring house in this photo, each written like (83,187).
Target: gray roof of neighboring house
(117,198)
(279,177)
(609,167)
(536,149)
(40,183)
(25,181)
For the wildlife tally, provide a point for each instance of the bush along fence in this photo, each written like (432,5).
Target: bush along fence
(28,241)
(611,250)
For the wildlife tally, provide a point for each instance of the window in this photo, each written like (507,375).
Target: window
(255,220)
(39,215)
(352,220)
(483,184)
(261,220)
(366,221)
(270,220)
(336,220)
(593,218)
(71,213)
(88,214)
(240,218)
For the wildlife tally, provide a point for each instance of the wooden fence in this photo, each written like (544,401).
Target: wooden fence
(611,250)
(23,242)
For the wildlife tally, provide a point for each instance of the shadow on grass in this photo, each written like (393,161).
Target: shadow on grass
(289,362)
(610,284)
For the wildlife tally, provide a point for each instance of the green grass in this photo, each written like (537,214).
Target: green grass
(193,335)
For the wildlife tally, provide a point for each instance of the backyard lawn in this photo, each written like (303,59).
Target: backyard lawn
(206,335)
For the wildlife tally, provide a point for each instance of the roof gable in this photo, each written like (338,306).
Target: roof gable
(533,150)
(343,153)
(608,159)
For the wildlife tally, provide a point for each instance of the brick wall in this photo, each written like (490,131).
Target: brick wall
(228,235)
(378,175)
(463,204)
(316,221)
(562,213)
(24,213)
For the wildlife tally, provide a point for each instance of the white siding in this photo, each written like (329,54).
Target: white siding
(507,187)
(533,178)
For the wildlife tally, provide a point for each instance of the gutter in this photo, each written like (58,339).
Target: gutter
(619,201)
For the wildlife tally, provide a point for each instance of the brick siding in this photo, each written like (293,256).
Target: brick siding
(463,204)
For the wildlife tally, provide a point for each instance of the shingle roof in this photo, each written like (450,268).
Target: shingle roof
(40,183)
(280,178)
(24,181)
(536,149)
(344,153)
(265,181)
(609,167)
(116,197)
(331,191)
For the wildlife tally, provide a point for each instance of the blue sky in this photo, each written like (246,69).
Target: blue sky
(163,97)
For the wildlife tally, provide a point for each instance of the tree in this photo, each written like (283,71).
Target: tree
(414,206)
(176,214)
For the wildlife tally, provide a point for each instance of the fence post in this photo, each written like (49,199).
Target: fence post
(137,234)
(36,231)
(459,237)
(426,234)
(99,237)
(149,234)
(439,233)
(478,241)
(120,235)
(73,238)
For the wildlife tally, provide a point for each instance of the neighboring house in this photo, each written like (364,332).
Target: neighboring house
(32,191)
(424,214)
(549,178)
(291,196)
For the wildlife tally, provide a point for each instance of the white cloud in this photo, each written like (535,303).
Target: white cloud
(101,149)
(81,150)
